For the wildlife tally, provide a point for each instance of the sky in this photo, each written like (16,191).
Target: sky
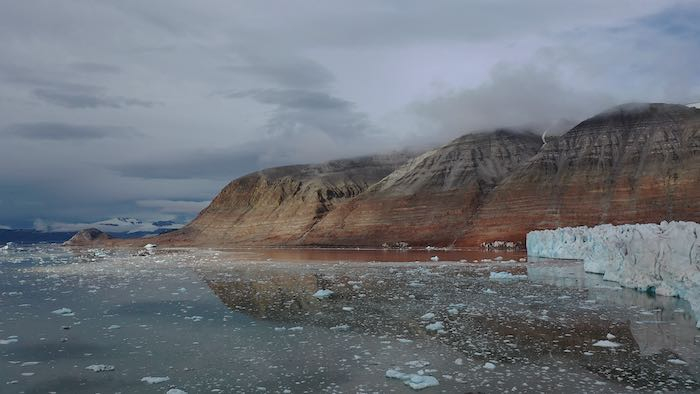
(146,109)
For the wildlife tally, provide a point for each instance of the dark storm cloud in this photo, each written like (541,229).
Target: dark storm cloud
(66,132)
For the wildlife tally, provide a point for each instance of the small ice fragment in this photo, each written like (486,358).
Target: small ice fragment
(113,327)
(505,275)
(176,391)
(150,246)
(677,361)
(452,311)
(404,340)
(297,328)
(323,293)
(155,379)
(459,361)
(348,308)
(428,316)
(437,326)
(587,353)
(100,368)
(489,366)
(417,363)
(434,258)
(280,329)
(610,336)
(489,291)
(29,363)
(63,312)
(7,341)
(414,381)
(340,327)
(606,343)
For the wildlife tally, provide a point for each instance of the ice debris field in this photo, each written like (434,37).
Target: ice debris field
(194,321)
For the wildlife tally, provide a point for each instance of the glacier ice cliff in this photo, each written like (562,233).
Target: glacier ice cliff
(661,258)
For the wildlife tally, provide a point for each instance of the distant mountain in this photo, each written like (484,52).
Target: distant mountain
(120,227)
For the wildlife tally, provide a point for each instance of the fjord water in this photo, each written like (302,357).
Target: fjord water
(247,321)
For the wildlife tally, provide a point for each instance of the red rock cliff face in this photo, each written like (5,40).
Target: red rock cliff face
(632,164)
(278,206)
(429,200)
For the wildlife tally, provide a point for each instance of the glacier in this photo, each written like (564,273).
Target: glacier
(661,258)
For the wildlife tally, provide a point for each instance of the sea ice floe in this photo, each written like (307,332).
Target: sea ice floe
(437,326)
(414,381)
(101,368)
(428,316)
(606,343)
(155,379)
(323,293)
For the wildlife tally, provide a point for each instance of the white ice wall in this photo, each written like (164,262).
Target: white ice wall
(663,256)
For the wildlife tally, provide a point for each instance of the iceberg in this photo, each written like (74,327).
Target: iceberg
(323,293)
(414,381)
(659,258)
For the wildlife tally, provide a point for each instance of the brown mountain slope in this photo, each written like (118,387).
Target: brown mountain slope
(429,200)
(633,164)
(277,206)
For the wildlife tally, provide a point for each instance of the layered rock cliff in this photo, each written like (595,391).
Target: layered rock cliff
(429,200)
(637,163)
(278,206)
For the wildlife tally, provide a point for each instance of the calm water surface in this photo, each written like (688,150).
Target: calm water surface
(247,321)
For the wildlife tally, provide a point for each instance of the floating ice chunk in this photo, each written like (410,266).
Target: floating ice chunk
(297,328)
(176,391)
(505,275)
(340,327)
(610,336)
(113,327)
(63,312)
(677,361)
(101,368)
(437,326)
(428,316)
(489,291)
(323,293)
(348,308)
(606,343)
(8,341)
(459,361)
(404,340)
(452,311)
(29,363)
(414,381)
(434,258)
(194,318)
(155,379)
(417,363)
(280,329)
(150,246)
(489,366)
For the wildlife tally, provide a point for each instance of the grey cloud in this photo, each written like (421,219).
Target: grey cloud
(288,71)
(88,98)
(295,99)
(174,206)
(515,97)
(67,132)
(98,68)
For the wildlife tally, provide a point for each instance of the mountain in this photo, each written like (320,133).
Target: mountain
(278,206)
(128,227)
(636,163)
(429,200)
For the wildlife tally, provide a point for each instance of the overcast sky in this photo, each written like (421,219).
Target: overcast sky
(148,108)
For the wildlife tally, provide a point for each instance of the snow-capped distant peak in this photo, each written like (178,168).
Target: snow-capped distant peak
(694,105)
(117,225)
